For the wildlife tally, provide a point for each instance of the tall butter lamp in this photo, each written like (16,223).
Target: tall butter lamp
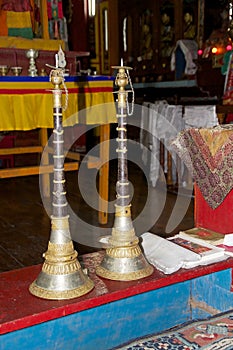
(62,276)
(123,259)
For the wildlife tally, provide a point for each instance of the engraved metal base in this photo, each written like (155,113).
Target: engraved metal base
(62,276)
(83,286)
(124,264)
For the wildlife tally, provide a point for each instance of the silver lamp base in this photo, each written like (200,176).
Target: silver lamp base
(124,264)
(59,287)
(62,276)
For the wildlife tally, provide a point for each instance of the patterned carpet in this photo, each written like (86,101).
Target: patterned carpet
(214,333)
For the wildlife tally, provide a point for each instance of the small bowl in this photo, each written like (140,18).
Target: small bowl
(16,70)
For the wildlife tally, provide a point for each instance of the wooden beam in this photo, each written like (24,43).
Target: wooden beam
(93,162)
(69,155)
(21,150)
(35,170)
(73,155)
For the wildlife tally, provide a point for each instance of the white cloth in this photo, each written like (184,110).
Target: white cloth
(163,122)
(160,123)
(169,257)
(200,116)
(145,136)
(165,255)
(189,49)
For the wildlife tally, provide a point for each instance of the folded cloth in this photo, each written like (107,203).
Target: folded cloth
(165,255)
(208,154)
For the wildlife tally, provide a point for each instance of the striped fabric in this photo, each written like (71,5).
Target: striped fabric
(16,18)
(27,102)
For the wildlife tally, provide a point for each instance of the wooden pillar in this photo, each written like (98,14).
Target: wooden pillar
(45,177)
(104,173)
(44,19)
(169,169)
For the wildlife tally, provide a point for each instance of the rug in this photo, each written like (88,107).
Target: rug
(214,333)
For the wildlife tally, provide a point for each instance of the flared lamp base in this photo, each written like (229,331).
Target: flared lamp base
(124,264)
(58,287)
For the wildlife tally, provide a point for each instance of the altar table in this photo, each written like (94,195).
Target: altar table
(27,103)
(114,312)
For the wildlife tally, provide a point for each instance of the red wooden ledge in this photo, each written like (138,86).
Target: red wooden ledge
(20,309)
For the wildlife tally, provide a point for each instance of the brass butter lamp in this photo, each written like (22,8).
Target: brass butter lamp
(16,70)
(123,259)
(62,276)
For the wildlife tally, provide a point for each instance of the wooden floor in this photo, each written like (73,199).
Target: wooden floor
(25,216)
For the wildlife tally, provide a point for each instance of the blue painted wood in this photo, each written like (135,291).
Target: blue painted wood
(109,325)
(214,290)
(114,323)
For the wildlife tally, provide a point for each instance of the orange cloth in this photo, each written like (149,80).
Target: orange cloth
(3,26)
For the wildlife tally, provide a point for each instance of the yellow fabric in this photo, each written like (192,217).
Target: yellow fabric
(19,19)
(215,138)
(25,111)
(38,44)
